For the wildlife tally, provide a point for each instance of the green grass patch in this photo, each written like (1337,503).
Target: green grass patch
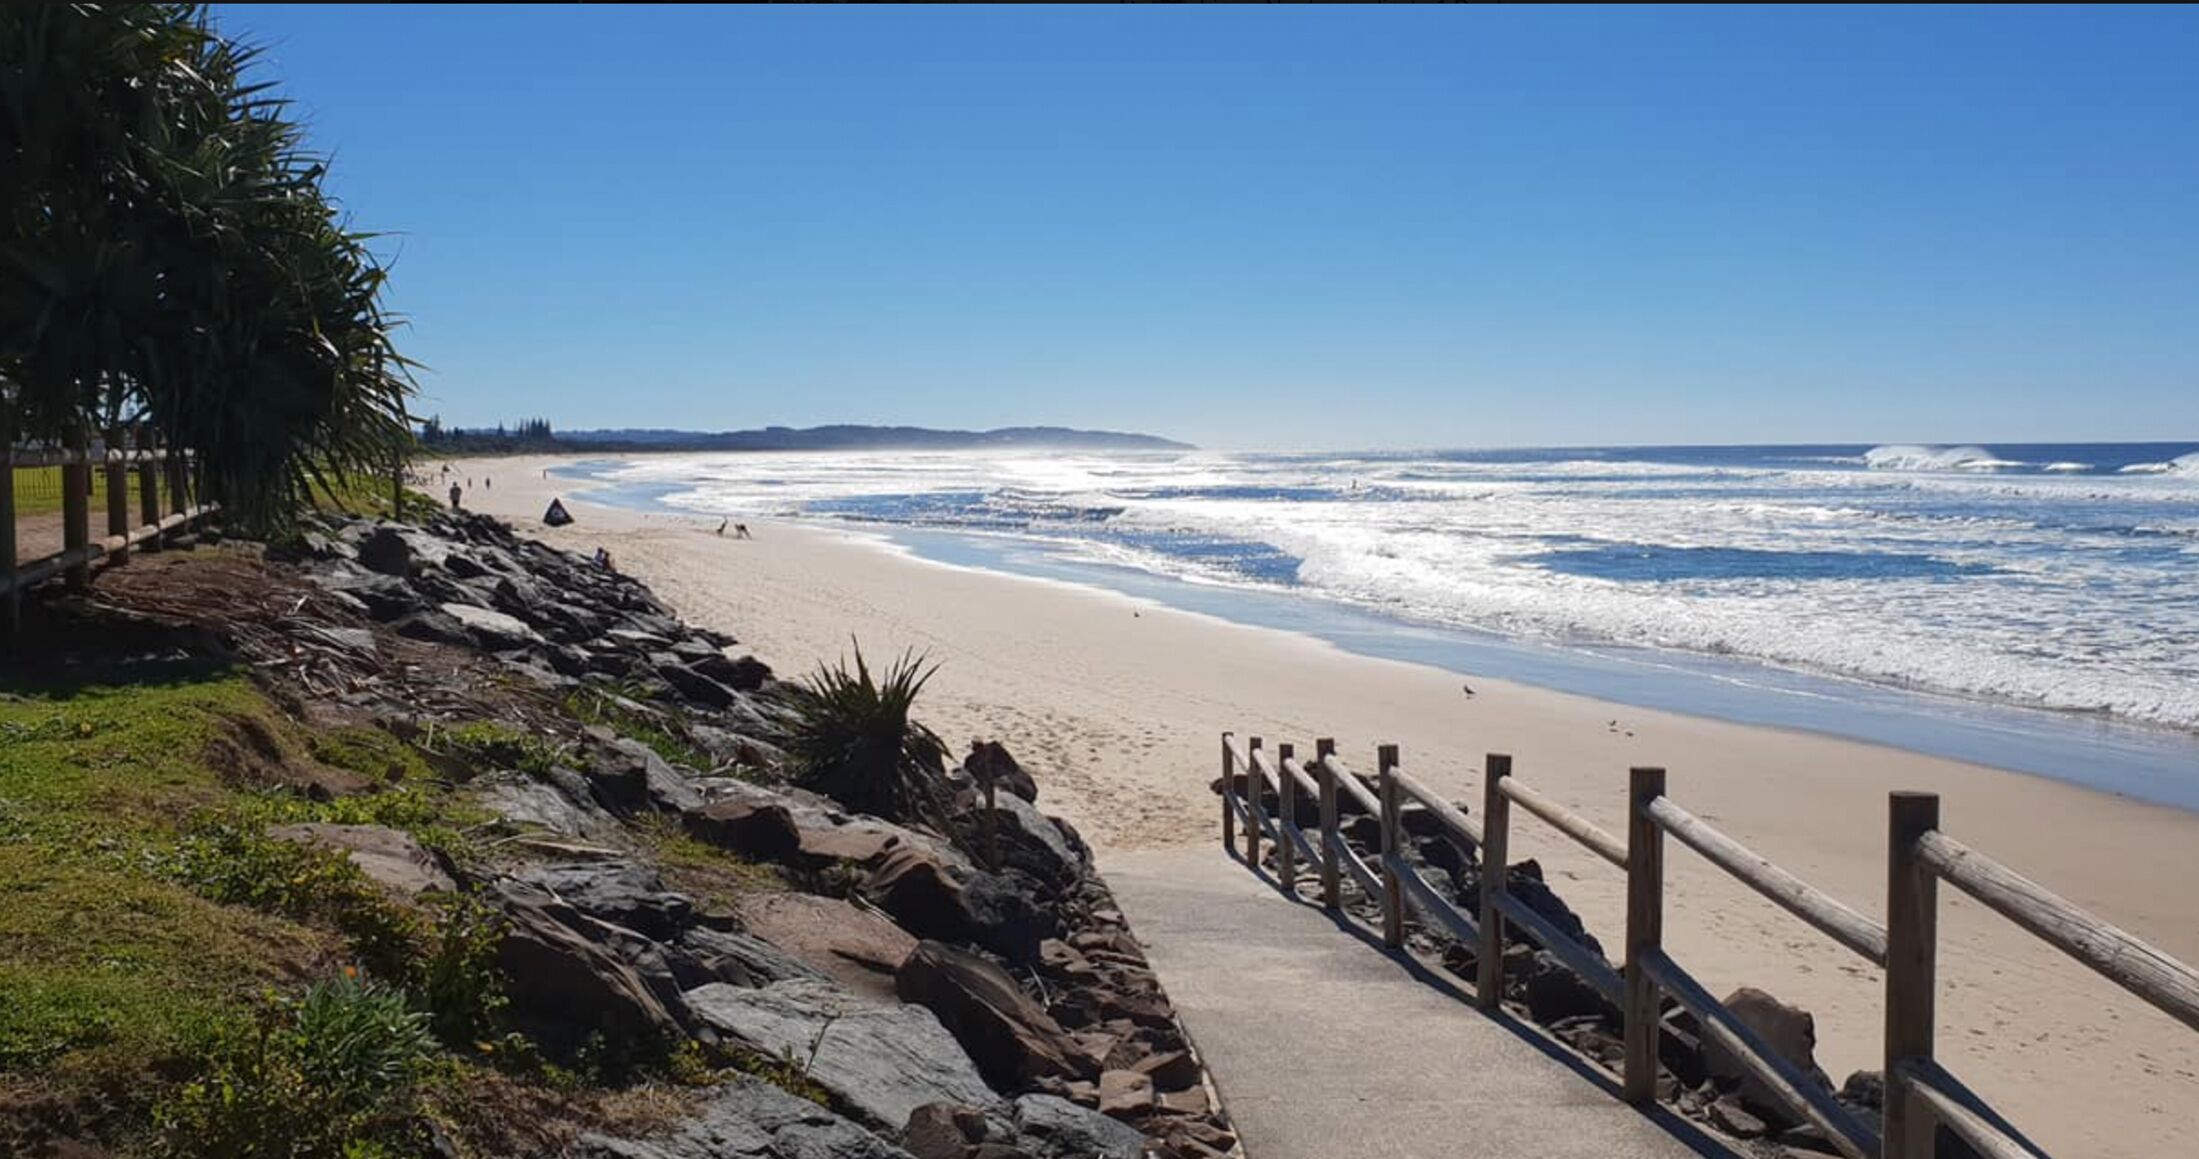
(488,746)
(591,706)
(38,491)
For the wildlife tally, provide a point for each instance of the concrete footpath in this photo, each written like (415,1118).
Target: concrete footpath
(1324,1044)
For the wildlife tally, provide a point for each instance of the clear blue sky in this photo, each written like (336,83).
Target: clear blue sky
(1282,226)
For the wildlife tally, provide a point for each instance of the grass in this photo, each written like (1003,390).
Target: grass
(111,965)
(146,918)
(592,706)
(38,492)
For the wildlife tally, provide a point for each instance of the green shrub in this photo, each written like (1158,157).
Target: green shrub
(488,746)
(331,1073)
(369,752)
(850,737)
(456,978)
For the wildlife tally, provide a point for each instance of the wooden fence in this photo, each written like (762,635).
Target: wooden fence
(167,483)
(1919,1093)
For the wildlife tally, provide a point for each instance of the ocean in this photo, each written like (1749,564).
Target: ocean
(2057,580)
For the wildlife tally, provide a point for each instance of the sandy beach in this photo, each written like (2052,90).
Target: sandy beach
(1115,705)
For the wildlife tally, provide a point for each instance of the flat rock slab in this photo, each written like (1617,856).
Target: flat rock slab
(390,858)
(748,1118)
(878,1063)
(1323,1044)
(856,947)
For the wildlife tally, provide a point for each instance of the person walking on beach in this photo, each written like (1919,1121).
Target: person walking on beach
(454,494)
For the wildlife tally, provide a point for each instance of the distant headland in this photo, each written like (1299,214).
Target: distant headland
(536,436)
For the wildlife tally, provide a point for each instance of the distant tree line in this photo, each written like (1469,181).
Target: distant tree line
(526,435)
(173,269)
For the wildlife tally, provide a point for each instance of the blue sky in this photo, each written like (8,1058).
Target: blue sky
(1282,227)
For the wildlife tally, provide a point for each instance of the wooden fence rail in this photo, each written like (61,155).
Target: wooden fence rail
(1920,1095)
(148,530)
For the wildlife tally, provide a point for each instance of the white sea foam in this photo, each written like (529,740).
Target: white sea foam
(2055,588)
(1905,457)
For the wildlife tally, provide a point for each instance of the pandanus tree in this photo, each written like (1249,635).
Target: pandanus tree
(170,262)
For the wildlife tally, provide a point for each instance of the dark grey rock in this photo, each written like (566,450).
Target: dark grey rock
(745,960)
(565,989)
(623,893)
(878,1064)
(385,551)
(748,1118)
(1049,1127)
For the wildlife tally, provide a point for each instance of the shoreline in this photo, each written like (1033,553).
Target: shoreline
(2135,759)
(1114,703)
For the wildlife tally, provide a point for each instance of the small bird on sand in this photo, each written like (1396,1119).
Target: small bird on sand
(1468,689)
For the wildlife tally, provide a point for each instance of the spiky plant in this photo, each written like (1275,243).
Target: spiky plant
(850,737)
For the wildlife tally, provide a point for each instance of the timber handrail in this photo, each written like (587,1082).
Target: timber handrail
(148,528)
(2114,954)
(1565,821)
(1920,1095)
(1798,897)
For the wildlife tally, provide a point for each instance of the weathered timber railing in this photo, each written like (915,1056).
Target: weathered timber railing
(80,552)
(1920,1095)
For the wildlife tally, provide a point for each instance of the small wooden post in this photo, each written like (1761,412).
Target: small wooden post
(148,491)
(1496,823)
(1393,850)
(1286,821)
(1255,803)
(1645,921)
(76,507)
(1229,795)
(397,489)
(1912,951)
(179,497)
(1332,886)
(11,601)
(118,499)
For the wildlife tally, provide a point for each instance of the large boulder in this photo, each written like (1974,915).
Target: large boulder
(565,988)
(1790,1031)
(747,1118)
(629,777)
(390,858)
(493,630)
(1048,1127)
(745,959)
(855,946)
(624,893)
(524,801)
(1006,1032)
(1030,841)
(384,551)
(877,1064)
(1006,913)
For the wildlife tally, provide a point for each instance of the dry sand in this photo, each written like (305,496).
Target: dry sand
(1116,705)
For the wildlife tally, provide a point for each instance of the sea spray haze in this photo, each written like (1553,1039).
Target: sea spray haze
(2063,577)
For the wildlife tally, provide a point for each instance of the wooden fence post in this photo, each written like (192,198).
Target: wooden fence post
(179,491)
(1332,886)
(1496,824)
(1912,937)
(1255,803)
(1286,820)
(1229,795)
(148,492)
(1645,872)
(118,499)
(76,507)
(1393,850)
